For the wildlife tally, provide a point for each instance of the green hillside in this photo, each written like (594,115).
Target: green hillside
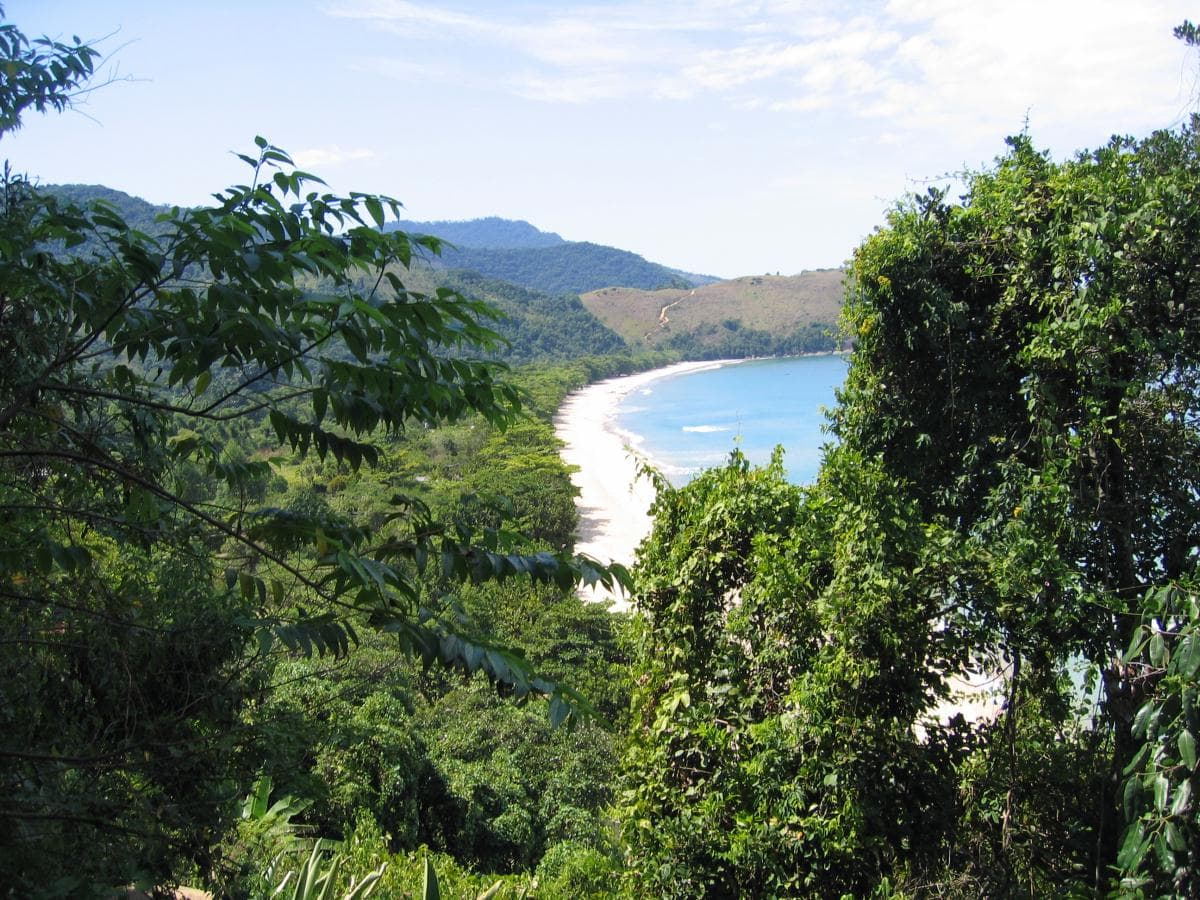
(537,326)
(520,253)
(749,316)
(569,268)
(137,212)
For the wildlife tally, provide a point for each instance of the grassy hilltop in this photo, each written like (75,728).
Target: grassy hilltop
(712,315)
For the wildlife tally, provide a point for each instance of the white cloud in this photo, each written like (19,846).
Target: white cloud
(913,65)
(329,155)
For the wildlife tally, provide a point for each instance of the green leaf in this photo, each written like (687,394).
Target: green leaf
(1187,655)
(429,883)
(1158,650)
(1183,796)
(1133,848)
(255,805)
(1138,759)
(1175,838)
(375,208)
(559,710)
(1142,719)
(1130,796)
(1136,643)
(1162,788)
(1166,858)
(367,885)
(1187,749)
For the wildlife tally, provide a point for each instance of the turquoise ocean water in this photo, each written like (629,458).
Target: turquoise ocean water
(688,422)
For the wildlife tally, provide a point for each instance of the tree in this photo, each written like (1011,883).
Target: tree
(1014,487)
(1053,426)
(142,587)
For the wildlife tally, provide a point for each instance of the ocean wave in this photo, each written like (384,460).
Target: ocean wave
(630,438)
(705,429)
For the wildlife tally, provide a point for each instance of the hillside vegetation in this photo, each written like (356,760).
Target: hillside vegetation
(753,315)
(534,324)
(520,253)
(571,268)
(537,326)
(136,212)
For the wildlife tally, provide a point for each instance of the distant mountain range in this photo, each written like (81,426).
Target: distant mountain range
(536,325)
(492,233)
(565,299)
(520,253)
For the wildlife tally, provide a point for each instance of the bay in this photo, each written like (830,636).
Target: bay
(692,421)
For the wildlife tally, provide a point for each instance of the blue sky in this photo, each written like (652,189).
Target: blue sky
(721,136)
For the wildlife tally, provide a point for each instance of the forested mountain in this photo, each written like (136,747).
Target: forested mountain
(492,232)
(757,315)
(537,326)
(515,251)
(138,213)
(569,268)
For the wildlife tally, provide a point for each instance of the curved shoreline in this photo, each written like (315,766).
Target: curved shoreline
(613,502)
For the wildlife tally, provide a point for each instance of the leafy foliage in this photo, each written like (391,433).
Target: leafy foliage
(39,74)
(1014,490)
(152,390)
(1159,847)
(773,751)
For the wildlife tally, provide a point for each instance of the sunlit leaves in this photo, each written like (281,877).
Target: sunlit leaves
(1160,806)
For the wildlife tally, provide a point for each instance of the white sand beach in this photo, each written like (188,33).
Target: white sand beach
(613,502)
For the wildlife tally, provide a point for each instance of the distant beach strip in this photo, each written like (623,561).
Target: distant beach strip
(614,503)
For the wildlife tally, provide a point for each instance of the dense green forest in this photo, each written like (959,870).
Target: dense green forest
(731,340)
(287,578)
(571,268)
(515,251)
(535,325)
(136,212)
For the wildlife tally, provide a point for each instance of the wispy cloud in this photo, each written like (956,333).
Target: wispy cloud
(916,64)
(330,155)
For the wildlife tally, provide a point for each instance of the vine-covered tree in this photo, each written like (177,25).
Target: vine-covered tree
(1015,488)
(144,389)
